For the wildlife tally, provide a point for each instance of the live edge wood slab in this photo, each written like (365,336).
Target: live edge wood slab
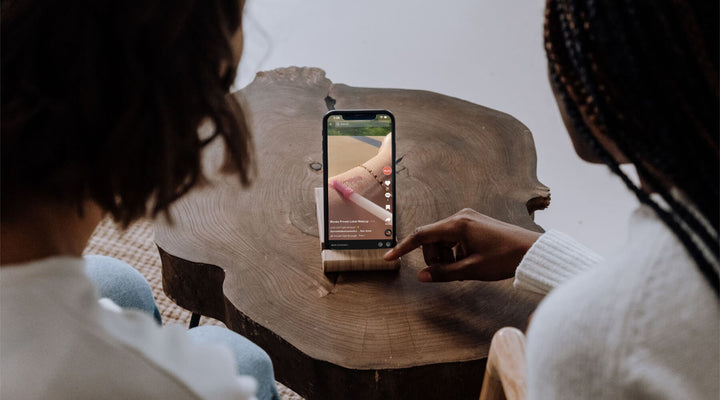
(251,257)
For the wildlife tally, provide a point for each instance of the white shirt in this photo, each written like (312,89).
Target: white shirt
(56,341)
(643,324)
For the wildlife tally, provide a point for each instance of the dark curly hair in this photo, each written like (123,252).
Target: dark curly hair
(102,100)
(644,74)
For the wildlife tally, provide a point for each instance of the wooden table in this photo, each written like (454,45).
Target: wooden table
(251,257)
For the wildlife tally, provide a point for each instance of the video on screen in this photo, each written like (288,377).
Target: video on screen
(360,171)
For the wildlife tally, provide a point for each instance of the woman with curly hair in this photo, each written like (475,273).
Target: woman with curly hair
(101,105)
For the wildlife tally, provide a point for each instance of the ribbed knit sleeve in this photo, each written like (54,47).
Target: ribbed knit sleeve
(553,259)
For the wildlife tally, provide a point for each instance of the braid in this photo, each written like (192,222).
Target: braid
(638,155)
(590,95)
(695,252)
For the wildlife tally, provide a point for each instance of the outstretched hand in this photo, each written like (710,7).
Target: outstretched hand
(467,245)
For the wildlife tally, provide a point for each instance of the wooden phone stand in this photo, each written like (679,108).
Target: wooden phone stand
(349,260)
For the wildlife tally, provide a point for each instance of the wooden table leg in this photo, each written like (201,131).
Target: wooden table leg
(194,320)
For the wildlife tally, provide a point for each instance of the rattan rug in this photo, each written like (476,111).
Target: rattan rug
(135,246)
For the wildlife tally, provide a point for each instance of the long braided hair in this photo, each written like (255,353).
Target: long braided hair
(644,74)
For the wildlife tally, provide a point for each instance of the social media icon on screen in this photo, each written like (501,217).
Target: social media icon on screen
(379,244)
(387,195)
(388,221)
(388,232)
(387,207)
(388,244)
(387,170)
(387,183)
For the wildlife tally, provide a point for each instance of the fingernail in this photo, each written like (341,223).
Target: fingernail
(424,276)
(388,255)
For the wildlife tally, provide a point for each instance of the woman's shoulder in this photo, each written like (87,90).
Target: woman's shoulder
(642,314)
(207,369)
(54,329)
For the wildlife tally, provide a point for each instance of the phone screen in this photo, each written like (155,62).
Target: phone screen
(359,178)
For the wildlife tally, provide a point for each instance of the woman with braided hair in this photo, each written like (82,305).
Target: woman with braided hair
(636,82)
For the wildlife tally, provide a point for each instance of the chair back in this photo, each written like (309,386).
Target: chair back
(505,371)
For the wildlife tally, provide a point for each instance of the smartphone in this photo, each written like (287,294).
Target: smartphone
(359,179)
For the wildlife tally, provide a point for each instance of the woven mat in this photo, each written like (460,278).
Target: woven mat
(135,246)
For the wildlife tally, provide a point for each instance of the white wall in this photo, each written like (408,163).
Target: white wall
(487,52)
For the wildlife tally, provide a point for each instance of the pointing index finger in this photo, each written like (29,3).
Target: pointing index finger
(442,231)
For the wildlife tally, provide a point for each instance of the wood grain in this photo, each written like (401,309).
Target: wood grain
(357,260)
(367,335)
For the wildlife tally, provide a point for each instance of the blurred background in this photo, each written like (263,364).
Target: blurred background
(487,52)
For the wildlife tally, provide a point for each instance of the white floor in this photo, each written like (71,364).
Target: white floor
(489,52)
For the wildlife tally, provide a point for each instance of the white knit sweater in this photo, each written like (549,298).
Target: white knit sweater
(58,342)
(643,323)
